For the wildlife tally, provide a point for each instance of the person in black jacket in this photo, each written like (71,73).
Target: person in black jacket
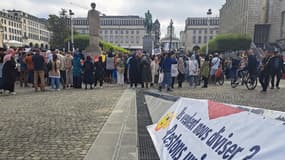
(252,65)
(277,68)
(265,70)
(88,69)
(99,72)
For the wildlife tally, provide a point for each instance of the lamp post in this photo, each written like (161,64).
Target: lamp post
(71,26)
(171,30)
(209,13)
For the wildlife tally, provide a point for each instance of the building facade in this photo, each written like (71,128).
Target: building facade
(124,31)
(11,29)
(263,20)
(196,32)
(34,29)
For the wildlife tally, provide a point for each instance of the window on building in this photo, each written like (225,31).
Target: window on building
(106,31)
(116,32)
(205,39)
(200,31)
(194,39)
(111,31)
(211,31)
(138,32)
(211,37)
(132,32)
(206,31)
(199,39)
(127,32)
(122,31)
(194,31)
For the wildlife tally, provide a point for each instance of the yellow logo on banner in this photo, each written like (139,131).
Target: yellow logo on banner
(165,121)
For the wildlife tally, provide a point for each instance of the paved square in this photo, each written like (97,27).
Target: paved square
(53,125)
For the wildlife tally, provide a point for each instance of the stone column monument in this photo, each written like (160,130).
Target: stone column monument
(94,27)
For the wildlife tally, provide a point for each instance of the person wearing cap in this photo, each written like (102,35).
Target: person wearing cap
(39,70)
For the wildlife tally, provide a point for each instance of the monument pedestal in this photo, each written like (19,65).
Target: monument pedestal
(148,44)
(93,48)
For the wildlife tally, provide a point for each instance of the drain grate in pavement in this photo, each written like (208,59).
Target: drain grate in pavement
(146,147)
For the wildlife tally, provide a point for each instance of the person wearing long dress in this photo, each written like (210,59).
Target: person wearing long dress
(77,81)
(146,70)
(9,72)
(88,69)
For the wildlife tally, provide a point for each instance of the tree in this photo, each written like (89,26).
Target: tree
(228,42)
(81,41)
(60,29)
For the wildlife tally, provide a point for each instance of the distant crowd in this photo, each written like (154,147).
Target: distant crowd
(63,70)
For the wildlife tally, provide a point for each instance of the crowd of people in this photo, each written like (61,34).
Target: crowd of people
(62,70)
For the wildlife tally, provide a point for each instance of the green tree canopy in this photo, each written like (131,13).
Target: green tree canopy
(81,41)
(60,30)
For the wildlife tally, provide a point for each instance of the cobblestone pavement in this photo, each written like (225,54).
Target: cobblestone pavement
(273,99)
(53,125)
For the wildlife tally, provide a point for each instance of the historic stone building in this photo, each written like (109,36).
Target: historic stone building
(34,29)
(263,20)
(124,31)
(170,40)
(11,29)
(196,32)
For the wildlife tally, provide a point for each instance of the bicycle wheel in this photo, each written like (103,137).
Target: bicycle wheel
(234,83)
(251,84)
(221,80)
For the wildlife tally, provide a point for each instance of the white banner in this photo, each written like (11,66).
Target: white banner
(206,130)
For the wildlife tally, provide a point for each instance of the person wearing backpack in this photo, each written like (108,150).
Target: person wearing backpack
(276,70)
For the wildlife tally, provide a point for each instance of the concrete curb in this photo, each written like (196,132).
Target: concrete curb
(118,138)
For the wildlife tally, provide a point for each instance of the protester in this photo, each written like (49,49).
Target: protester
(61,58)
(146,70)
(39,70)
(264,73)
(252,65)
(277,68)
(68,67)
(9,72)
(120,68)
(99,72)
(110,66)
(88,69)
(174,72)
(133,71)
(166,69)
(193,71)
(154,70)
(23,70)
(181,71)
(54,73)
(1,71)
(77,66)
(30,67)
(215,63)
(205,70)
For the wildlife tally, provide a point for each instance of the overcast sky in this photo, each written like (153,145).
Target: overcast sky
(163,10)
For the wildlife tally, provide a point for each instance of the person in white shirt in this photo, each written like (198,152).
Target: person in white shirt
(193,71)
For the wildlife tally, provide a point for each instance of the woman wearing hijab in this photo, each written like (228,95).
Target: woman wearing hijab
(181,72)
(54,73)
(77,82)
(88,69)
(99,72)
(9,72)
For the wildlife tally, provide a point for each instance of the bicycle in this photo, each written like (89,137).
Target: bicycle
(244,78)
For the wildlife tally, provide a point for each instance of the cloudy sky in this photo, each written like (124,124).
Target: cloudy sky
(163,10)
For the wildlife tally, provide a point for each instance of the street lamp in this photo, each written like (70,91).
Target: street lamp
(71,23)
(209,13)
